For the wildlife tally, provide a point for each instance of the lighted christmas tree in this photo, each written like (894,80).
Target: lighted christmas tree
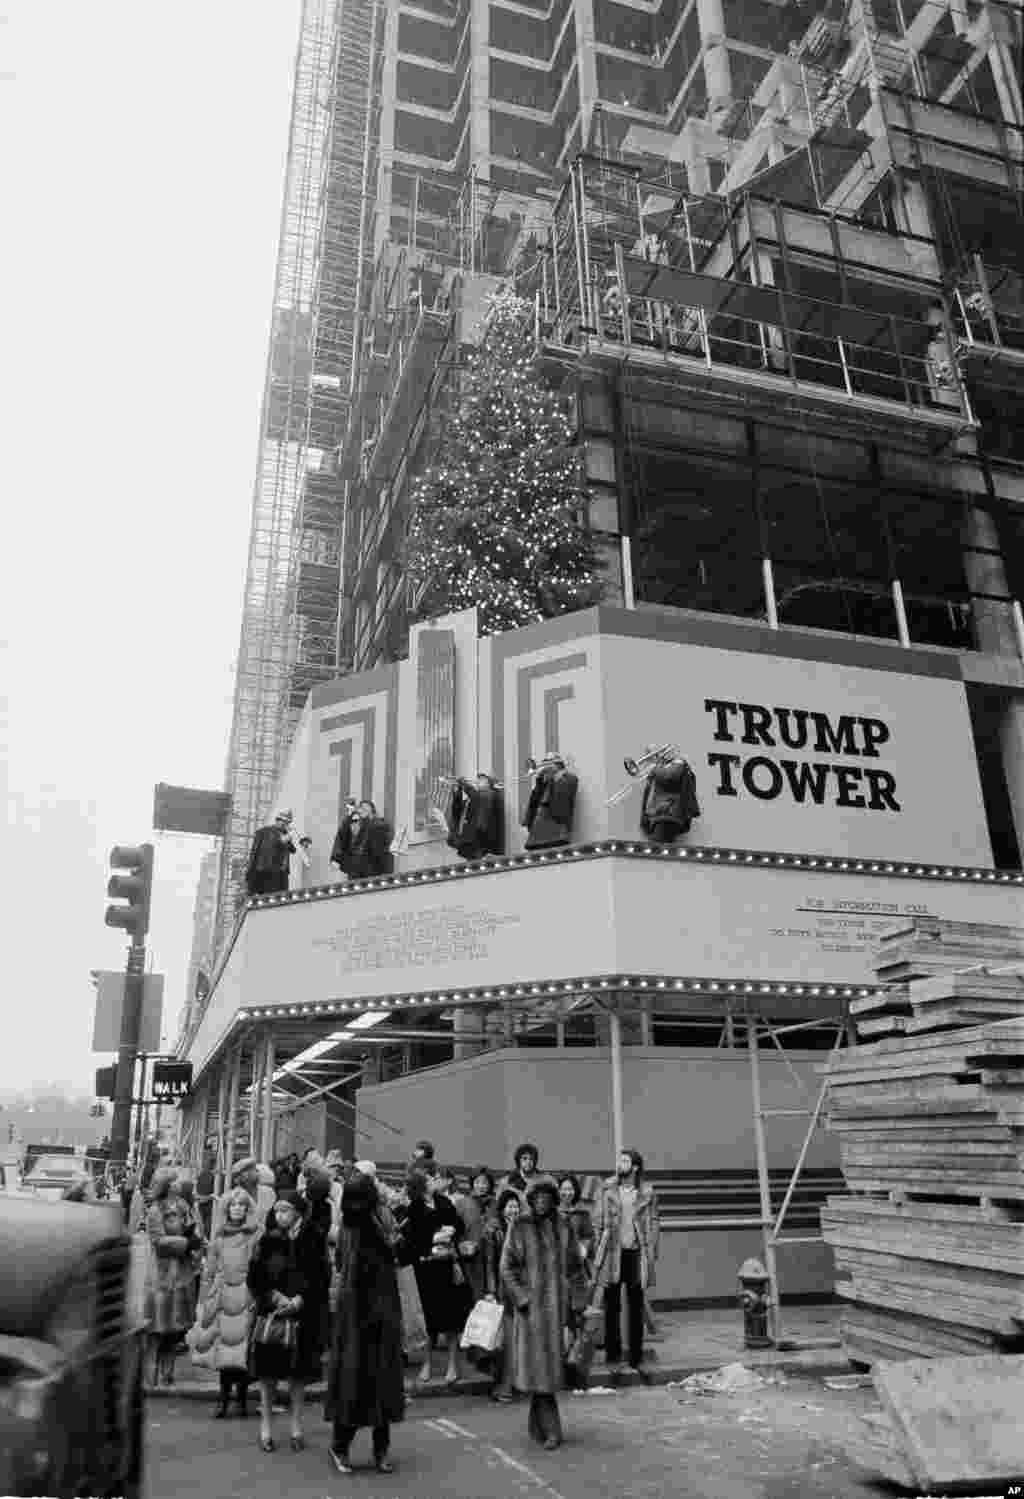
(495,519)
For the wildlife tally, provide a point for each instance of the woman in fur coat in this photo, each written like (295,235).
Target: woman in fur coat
(174,1249)
(539,1255)
(220,1338)
(365,1384)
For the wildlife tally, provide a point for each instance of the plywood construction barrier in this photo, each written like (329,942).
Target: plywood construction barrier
(929,1113)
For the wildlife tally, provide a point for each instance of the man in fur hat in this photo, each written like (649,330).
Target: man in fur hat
(540,1250)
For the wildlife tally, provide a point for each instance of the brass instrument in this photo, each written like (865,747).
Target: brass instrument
(633,768)
(649,757)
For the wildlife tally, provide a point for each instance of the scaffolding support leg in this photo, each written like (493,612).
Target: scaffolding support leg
(267,1134)
(615,1032)
(232,1116)
(222,1104)
(763,1180)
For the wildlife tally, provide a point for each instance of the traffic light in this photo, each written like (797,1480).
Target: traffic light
(135,888)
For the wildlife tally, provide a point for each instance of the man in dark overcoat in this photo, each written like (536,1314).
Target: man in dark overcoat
(552,805)
(670,799)
(475,820)
(540,1251)
(270,857)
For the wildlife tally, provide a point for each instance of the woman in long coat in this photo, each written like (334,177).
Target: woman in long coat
(578,1215)
(538,1257)
(288,1275)
(477,1214)
(174,1248)
(220,1338)
(440,1279)
(365,1383)
(507,1209)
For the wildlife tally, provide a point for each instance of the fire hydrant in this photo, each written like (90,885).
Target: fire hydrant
(755,1301)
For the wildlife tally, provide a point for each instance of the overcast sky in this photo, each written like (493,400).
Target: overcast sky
(142,150)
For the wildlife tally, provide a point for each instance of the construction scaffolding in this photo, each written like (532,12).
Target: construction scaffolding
(289,638)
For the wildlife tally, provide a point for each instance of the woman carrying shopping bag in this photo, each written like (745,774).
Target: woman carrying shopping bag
(508,1207)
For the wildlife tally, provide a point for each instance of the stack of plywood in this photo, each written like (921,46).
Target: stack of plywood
(930,1121)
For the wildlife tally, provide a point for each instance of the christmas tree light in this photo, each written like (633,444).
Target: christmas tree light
(495,518)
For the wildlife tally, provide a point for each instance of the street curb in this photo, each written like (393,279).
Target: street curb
(817,1362)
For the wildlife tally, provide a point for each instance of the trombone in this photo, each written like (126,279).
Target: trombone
(634,768)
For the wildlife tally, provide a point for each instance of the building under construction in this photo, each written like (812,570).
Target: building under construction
(775,260)
(776,253)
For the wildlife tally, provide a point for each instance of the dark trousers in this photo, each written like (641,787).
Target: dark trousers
(545,1421)
(343,1436)
(267,882)
(629,1276)
(234,1379)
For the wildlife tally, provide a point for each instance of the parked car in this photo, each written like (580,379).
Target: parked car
(71,1352)
(51,1175)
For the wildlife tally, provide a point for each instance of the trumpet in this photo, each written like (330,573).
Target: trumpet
(634,768)
(648,758)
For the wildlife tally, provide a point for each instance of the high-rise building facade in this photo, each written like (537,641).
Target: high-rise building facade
(777,257)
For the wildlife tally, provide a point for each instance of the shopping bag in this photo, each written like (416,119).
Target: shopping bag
(414,1324)
(483,1329)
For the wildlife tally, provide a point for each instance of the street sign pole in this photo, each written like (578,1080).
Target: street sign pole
(127,1053)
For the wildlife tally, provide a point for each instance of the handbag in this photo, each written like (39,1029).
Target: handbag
(484,1327)
(273,1330)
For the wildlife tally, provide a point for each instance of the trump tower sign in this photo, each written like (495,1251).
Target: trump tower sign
(803,756)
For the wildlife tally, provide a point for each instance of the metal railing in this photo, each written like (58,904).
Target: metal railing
(988,307)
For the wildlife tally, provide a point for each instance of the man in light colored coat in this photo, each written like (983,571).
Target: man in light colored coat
(627,1231)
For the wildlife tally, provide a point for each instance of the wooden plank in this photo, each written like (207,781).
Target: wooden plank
(971,984)
(960,1419)
(961,1312)
(942,1183)
(875,1446)
(907,1328)
(1006,1287)
(929,1212)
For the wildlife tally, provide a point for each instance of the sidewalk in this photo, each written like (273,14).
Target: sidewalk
(688,1342)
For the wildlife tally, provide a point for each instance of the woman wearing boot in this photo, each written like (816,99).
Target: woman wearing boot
(220,1338)
(536,1263)
(288,1276)
(365,1384)
(170,1276)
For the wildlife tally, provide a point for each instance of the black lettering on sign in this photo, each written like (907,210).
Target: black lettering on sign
(756,784)
(806,779)
(812,782)
(725,764)
(720,709)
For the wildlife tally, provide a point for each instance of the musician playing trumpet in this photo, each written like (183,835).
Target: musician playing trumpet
(270,856)
(549,812)
(670,797)
(475,817)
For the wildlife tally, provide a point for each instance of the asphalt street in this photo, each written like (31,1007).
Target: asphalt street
(777,1443)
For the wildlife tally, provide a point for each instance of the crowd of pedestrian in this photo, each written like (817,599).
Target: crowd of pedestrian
(312,1257)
